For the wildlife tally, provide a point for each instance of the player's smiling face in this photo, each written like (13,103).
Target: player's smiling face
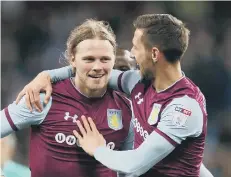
(142,55)
(94,60)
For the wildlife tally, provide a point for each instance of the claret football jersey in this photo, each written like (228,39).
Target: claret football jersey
(177,113)
(54,150)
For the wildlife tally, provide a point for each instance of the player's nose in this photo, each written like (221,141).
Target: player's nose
(97,66)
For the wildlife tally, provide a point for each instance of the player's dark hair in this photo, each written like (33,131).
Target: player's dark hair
(165,32)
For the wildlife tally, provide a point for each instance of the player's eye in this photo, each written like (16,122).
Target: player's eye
(89,59)
(105,59)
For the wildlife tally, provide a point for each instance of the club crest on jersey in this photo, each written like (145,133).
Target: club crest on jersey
(153,118)
(114,119)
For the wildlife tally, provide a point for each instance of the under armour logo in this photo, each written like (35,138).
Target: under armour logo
(138,97)
(67,116)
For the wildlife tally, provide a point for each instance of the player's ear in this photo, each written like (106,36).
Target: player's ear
(155,53)
(72,61)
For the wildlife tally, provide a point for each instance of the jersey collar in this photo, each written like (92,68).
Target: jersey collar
(183,76)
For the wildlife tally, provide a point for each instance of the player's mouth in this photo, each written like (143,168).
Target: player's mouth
(96,76)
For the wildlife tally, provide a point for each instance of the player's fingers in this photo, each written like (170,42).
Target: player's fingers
(81,129)
(48,94)
(77,135)
(93,126)
(20,95)
(86,124)
(37,102)
(28,103)
(34,100)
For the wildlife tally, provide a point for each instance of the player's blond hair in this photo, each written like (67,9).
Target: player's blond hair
(90,29)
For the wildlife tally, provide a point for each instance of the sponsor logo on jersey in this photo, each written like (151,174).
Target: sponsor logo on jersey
(184,111)
(71,140)
(153,118)
(139,129)
(137,97)
(114,119)
(111,145)
(61,138)
(67,116)
(179,118)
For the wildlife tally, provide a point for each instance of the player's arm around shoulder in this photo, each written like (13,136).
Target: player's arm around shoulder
(59,74)
(124,81)
(42,82)
(18,116)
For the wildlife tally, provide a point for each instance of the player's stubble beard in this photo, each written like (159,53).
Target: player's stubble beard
(147,73)
(93,91)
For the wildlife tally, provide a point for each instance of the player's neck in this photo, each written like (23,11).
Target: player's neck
(166,76)
(93,93)
(89,93)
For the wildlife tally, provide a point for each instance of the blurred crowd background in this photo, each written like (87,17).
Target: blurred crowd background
(34,34)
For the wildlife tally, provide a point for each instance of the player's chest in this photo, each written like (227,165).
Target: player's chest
(147,109)
(61,121)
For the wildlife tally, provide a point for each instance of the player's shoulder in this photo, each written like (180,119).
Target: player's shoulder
(185,93)
(64,87)
(120,97)
(142,87)
(61,84)
(42,96)
(183,100)
(184,105)
(186,87)
(22,109)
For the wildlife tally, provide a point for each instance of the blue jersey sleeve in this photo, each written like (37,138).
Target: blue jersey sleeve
(124,81)
(60,73)
(138,161)
(129,141)
(18,116)
(177,125)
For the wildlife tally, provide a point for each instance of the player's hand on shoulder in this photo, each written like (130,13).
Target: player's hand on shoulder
(41,82)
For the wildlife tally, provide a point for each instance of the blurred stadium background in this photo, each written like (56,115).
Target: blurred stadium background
(33,37)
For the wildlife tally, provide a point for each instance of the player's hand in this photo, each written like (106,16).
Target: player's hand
(91,139)
(42,82)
